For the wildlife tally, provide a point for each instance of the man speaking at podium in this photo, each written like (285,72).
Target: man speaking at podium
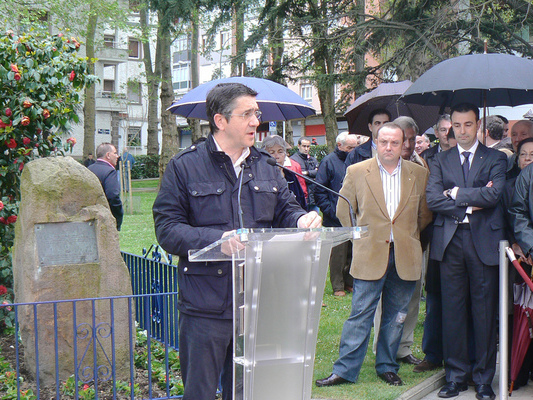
(388,195)
(204,188)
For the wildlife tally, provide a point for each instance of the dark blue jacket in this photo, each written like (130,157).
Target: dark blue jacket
(108,177)
(331,173)
(198,202)
(360,153)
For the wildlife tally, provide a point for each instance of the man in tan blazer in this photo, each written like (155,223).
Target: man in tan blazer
(388,195)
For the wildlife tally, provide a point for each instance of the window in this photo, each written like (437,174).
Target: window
(110,71)
(109,41)
(181,76)
(135,92)
(224,40)
(307,92)
(253,63)
(134,136)
(134,47)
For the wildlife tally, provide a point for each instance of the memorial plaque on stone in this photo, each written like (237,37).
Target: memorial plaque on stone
(66,243)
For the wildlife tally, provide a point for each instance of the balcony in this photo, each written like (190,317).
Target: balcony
(111,101)
(112,54)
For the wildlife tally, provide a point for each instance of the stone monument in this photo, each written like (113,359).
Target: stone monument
(67,247)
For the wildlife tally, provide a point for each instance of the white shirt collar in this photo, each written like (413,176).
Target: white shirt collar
(237,164)
(471,150)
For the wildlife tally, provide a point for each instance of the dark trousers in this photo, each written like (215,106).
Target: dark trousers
(468,286)
(432,339)
(339,266)
(206,356)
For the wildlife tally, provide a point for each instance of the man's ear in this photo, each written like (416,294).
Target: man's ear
(220,121)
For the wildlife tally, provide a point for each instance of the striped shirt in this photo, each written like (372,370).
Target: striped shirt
(391,188)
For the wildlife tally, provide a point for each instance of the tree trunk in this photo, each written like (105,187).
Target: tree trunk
(89,105)
(324,65)
(153,77)
(194,124)
(238,61)
(171,137)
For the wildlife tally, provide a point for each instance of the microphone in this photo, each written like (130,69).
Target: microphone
(244,236)
(272,161)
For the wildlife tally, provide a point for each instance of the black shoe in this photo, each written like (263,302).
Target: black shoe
(331,380)
(391,378)
(452,389)
(426,366)
(484,392)
(410,359)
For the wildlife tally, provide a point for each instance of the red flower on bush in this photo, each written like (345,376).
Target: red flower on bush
(4,125)
(72,75)
(12,143)
(1,205)
(17,77)
(21,166)
(46,113)
(85,387)
(3,290)
(8,112)
(71,141)
(14,68)
(11,219)
(3,221)
(25,121)
(26,103)
(26,141)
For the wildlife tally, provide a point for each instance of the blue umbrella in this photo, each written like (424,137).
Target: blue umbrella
(277,102)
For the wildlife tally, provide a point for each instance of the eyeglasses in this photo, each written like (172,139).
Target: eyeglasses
(249,114)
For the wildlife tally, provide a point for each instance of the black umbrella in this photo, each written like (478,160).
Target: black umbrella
(486,80)
(386,96)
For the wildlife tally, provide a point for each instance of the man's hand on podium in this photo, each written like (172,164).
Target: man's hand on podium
(310,220)
(232,245)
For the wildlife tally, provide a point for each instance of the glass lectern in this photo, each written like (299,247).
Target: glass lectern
(279,281)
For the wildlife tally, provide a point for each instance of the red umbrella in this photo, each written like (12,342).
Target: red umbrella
(522,319)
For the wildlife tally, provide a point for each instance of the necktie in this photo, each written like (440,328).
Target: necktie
(466,164)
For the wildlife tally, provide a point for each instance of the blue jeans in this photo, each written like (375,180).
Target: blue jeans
(396,294)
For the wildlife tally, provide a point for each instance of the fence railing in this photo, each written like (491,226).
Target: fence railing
(154,276)
(109,347)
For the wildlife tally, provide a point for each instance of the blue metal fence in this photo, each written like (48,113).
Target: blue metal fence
(78,340)
(153,273)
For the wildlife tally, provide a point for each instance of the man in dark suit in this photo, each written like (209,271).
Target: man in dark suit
(104,169)
(464,189)
(441,133)
(368,149)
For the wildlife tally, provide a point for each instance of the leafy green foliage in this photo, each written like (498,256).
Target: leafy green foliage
(145,167)
(40,83)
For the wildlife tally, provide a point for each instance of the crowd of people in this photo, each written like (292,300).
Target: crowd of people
(435,216)
(476,200)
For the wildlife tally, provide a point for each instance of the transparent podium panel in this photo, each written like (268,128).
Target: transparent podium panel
(279,280)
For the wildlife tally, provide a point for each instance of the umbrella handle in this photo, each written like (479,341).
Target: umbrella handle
(518,267)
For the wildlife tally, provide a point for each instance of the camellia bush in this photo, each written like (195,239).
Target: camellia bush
(41,90)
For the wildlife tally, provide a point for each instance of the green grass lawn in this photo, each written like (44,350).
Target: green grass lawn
(138,233)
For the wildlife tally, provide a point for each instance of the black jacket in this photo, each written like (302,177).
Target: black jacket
(521,210)
(198,202)
(108,177)
(360,153)
(309,164)
(331,173)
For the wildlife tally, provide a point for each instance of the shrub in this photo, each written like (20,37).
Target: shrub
(145,167)
(40,83)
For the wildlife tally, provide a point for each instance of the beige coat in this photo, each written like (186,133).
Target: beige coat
(362,186)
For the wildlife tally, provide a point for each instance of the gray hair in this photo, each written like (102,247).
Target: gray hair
(406,123)
(526,122)
(443,117)
(426,137)
(271,141)
(104,148)
(341,137)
